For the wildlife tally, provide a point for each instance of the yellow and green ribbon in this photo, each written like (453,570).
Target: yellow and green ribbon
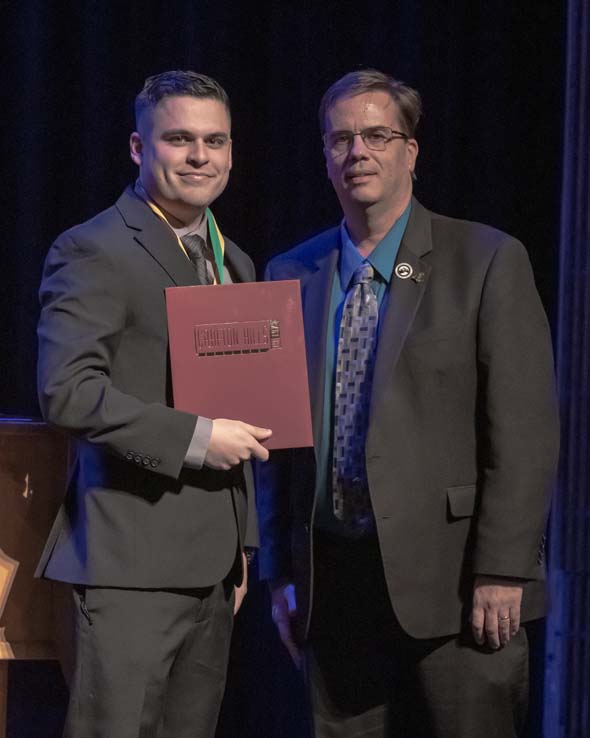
(217,242)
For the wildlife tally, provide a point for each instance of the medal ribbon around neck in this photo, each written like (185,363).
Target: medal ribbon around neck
(217,240)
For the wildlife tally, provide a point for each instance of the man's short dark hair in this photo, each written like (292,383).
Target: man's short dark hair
(371,80)
(177,83)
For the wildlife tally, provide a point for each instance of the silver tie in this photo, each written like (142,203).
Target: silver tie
(195,249)
(354,374)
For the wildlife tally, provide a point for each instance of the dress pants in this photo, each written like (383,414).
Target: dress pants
(368,679)
(149,663)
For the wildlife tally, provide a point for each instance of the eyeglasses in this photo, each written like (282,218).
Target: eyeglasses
(375,138)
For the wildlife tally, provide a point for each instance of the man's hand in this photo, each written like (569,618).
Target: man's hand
(284,609)
(240,592)
(233,441)
(496,610)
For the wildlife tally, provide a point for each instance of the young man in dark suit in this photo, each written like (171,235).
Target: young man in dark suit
(414,535)
(161,504)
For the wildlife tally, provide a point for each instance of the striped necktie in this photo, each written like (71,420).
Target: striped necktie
(195,249)
(354,374)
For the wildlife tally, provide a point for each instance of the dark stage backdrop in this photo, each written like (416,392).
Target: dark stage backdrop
(567,682)
(491,76)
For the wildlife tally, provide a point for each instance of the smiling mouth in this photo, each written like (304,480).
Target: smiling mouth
(195,175)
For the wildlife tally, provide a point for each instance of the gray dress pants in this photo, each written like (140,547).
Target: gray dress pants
(149,663)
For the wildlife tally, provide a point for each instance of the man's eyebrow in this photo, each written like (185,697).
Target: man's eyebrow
(191,134)
(177,132)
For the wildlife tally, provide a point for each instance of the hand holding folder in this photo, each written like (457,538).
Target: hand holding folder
(233,441)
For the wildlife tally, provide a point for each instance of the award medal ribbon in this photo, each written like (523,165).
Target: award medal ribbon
(215,235)
(217,242)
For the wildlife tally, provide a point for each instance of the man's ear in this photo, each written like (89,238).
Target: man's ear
(135,148)
(412,148)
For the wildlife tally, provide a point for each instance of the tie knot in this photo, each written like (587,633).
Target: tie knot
(194,244)
(363,274)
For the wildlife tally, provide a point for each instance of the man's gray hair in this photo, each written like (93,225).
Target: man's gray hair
(408,100)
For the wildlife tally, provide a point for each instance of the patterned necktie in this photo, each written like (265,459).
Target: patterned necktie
(195,247)
(354,374)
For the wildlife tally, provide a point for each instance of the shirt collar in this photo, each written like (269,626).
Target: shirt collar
(198,227)
(383,256)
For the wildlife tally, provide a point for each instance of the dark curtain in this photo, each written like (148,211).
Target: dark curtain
(567,689)
(491,76)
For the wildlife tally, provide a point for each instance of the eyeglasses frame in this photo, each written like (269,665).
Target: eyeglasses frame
(394,136)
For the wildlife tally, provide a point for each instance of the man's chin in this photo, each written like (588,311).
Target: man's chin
(360,196)
(188,202)
(199,197)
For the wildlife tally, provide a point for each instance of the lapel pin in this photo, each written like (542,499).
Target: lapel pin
(403,270)
(418,278)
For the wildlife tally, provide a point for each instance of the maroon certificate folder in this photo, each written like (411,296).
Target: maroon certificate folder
(237,351)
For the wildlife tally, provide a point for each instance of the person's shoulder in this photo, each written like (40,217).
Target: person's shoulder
(470,240)
(231,245)
(97,229)
(100,237)
(470,234)
(237,255)
(306,254)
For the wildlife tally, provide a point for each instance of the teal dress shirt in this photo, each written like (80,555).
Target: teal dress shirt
(382,259)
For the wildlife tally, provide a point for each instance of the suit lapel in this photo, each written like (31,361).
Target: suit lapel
(404,298)
(316,289)
(157,238)
(237,262)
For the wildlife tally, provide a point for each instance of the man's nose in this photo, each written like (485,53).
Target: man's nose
(358,149)
(198,153)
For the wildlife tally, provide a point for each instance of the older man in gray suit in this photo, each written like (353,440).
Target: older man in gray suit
(414,535)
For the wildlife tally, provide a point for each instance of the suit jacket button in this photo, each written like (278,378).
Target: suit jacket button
(137,459)
(154,463)
(146,461)
(129,455)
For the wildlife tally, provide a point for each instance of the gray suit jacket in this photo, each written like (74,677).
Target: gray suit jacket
(133,516)
(463,432)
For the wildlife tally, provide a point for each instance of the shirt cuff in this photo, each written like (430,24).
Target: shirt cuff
(197,448)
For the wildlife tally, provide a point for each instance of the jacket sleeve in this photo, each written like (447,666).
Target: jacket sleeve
(273,490)
(273,487)
(84,313)
(251,537)
(517,417)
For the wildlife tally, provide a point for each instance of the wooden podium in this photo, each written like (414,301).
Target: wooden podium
(35,619)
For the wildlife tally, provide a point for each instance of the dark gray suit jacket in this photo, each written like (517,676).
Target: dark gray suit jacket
(463,432)
(133,516)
